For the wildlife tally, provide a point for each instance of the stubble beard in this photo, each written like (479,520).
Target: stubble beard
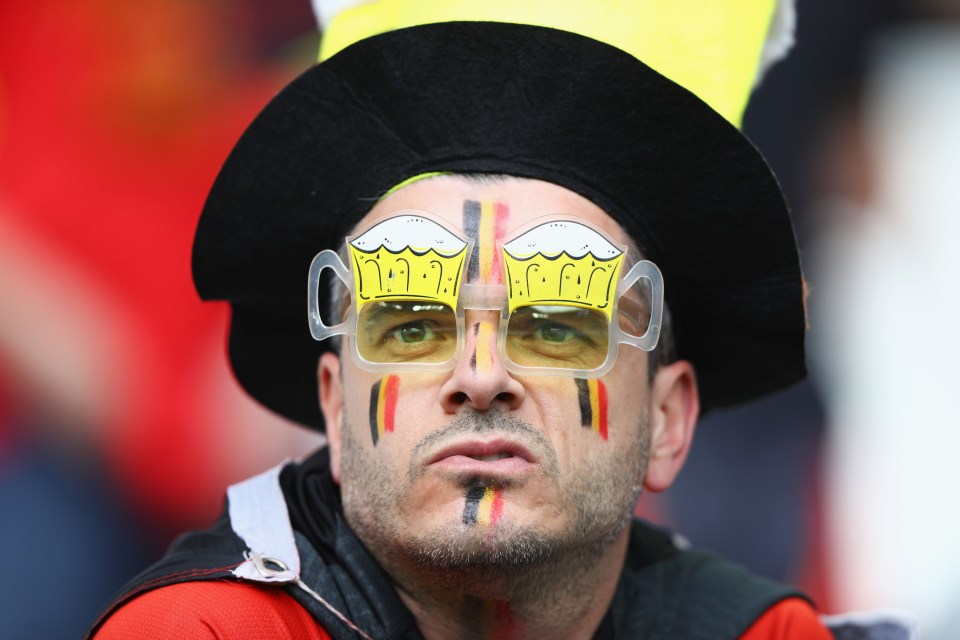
(459,556)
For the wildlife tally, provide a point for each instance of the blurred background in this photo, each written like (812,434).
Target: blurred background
(121,425)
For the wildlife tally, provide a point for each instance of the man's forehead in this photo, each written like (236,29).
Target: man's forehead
(515,201)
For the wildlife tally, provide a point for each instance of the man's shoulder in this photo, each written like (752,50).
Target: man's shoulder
(211,609)
(664,554)
(685,592)
(788,619)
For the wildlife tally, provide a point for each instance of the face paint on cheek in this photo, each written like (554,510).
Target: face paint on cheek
(486,223)
(483,506)
(592,397)
(383,406)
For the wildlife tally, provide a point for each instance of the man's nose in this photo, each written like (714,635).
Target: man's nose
(480,378)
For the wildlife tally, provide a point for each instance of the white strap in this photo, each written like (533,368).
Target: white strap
(258,514)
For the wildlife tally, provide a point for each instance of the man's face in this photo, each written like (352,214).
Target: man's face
(477,466)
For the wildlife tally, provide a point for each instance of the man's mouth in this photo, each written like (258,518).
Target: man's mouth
(497,457)
(492,457)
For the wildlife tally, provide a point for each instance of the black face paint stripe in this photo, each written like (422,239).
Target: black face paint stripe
(471,226)
(474,495)
(583,397)
(374,401)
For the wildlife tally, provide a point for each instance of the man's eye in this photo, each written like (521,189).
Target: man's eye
(412,332)
(555,332)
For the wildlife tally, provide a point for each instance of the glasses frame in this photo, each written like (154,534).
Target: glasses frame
(485,297)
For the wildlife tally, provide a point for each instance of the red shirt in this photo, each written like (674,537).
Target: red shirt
(221,610)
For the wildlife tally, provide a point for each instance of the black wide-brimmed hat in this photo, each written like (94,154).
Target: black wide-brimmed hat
(479,97)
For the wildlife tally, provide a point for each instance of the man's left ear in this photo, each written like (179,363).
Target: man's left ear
(675,406)
(331,404)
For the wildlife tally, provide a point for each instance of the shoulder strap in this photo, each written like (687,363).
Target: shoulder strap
(223,551)
(254,541)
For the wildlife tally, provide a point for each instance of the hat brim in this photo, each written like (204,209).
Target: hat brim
(695,195)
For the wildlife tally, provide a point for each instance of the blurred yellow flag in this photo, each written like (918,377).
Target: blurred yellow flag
(711,48)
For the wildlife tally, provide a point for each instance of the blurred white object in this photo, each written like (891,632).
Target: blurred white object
(886,341)
(324,10)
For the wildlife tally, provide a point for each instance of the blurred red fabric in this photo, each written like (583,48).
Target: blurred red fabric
(114,119)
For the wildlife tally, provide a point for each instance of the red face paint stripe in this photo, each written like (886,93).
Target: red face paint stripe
(602,406)
(505,626)
(390,395)
(496,509)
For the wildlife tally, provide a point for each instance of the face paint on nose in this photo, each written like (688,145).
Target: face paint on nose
(486,223)
(483,506)
(481,362)
(383,406)
(592,397)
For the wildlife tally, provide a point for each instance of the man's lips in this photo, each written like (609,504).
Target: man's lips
(484,457)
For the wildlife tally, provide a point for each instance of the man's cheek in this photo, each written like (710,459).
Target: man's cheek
(592,400)
(384,395)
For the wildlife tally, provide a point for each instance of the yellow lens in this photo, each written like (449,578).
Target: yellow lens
(558,336)
(406,331)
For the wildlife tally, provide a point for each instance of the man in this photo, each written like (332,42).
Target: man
(552,258)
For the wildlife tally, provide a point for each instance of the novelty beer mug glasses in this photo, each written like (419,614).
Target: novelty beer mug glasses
(554,285)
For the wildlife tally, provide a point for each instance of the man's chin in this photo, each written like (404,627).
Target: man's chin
(459,546)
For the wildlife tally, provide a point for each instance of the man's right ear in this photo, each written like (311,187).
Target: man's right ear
(331,404)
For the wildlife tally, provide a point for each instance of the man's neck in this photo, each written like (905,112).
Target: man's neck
(564,598)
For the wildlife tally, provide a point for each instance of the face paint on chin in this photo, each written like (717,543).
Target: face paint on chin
(483,506)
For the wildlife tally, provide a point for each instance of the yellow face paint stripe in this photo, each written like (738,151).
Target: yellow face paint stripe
(381,397)
(490,507)
(484,350)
